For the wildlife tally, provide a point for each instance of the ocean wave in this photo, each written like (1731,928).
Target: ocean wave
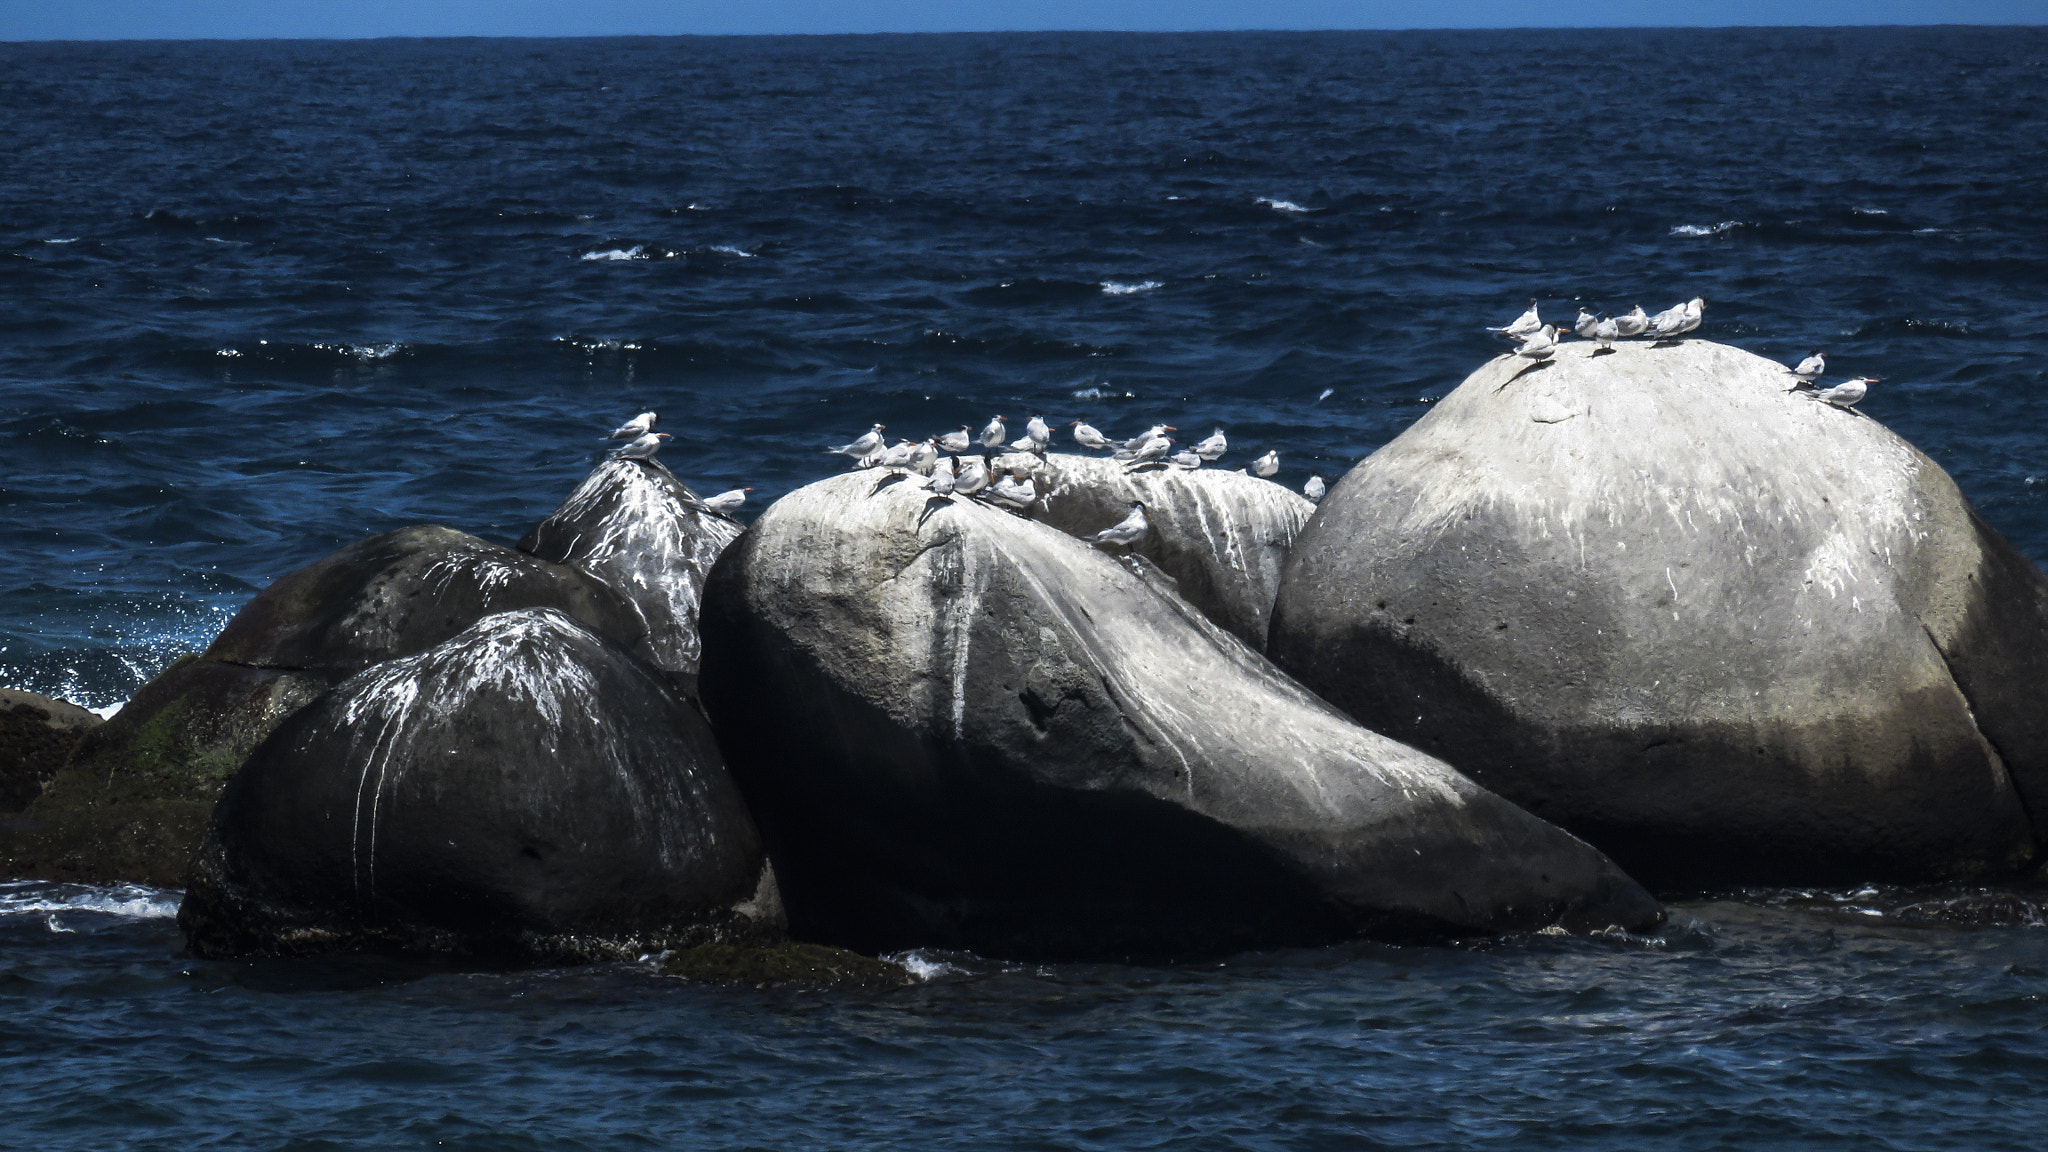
(732,251)
(1870,211)
(1112,288)
(922,966)
(364,351)
(1100,393)
(1708,229)
(1281,205)
(636,252)
(54,240)
(42,898)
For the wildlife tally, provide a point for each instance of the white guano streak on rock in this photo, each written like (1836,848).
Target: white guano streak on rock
(641,540)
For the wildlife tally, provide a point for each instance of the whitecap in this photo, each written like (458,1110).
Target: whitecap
(227,352)
(636,252)
(922,967)
(38,898)
(69,240)
(108,712)
(732,251)
(1112,288)
(1281,205)
(375,351)
(1870,211)
(1706,229)
(1103,394)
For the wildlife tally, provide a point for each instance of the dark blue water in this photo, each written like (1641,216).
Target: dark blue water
(257,300)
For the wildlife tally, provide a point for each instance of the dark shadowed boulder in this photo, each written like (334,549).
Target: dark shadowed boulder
(1724,632)
(404,592)
(37,734)
(524,789)
(134,798)
(1221,535)
(634,526)
(962,728)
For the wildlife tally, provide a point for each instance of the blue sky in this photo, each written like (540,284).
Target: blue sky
(190,19)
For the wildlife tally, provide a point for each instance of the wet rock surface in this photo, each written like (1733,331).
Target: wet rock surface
(785,965)
(964,729)
(523,789)
(1726,633)
(632,525)
(37,734)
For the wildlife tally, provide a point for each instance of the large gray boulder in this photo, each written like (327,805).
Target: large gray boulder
(634,526)
(1221,535)
(525,788)
(1724,632)
(962,728)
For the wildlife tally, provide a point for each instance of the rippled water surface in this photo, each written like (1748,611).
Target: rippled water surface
(257,300)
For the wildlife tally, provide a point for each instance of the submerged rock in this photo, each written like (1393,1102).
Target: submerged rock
(36,737)
(634,526)
(404,592)
(524,789)
(960,728)
(1222,536)
(134,798)
(1726,633)
(788,964)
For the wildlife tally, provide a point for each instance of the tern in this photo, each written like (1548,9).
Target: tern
(970,475)
(861,447)
(1812,368)
(1040,435)
(1152,433)
(1154,449)
(1314,489)
(992,436)
(1025,444)
(1015,491)
(1632,324)
(901,455)
(1216,445)
(1678,319)
(1127,531)
(1266,465)
(1086,435)
(873,459)
(1605,332)
(1538,345)
(726,503)
(643,447)
(945,478)
(633,429)
(1526,323)
(926,457)
(1847,393)
(954,443)
(1185,459)
(1583,327)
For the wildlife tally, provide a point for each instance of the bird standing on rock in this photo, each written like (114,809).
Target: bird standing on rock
(1315,489)
(970,475)
(901,456)
(954,443)
(1265,466)
(1087,436)
(863,446)
(944,479)
(1215,446)
(1015,492)
(1632,324)
(1605,332)
(1127,531)
(1038,433)
(1524,324)
(1847,393)
(1184,459)
(633,429)
(1539,344)
(1678,319)
(1155,448)
(726,503)
(1812,368)
(1583,327)
(642,448)
(992,435)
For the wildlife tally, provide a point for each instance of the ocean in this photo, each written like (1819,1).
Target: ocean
(261,299)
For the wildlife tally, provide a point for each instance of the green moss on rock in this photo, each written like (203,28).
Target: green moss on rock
(785,965)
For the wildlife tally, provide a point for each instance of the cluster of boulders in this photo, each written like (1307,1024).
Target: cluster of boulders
(1645,616)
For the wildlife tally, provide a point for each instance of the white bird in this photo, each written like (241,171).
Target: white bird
(1632,324)
(992,435)
(925,458)
(1216,445)
(1812,368)
(1024,444)
(1539,345)
(944,479)
(1266,465)
(1847,393)
(1152,433)
(1678,319)
(873,459)
(1086,435)
(861,447)
(1583,327)
(1524,324)
(902,455)
(1314,489)
(970,475)
(643,447)
(1154,449)
(1605,332)
(1015,491)
(954,443)
(633,429)
(1127,531)
(1185,460)
(726,503)
(1039,433)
